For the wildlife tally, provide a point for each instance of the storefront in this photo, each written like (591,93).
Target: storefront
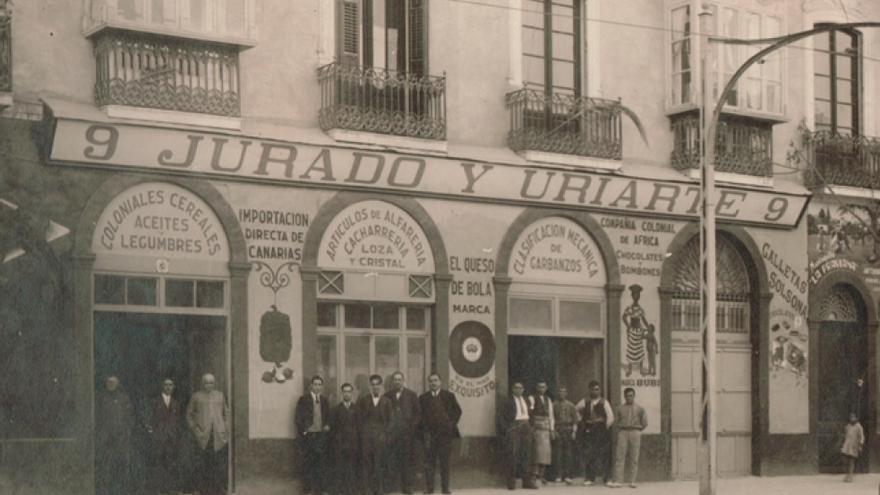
(844,293)
(266,260)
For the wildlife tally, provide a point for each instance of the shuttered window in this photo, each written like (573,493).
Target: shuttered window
(836,62)
(383,34)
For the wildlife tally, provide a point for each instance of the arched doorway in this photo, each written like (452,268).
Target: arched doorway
(737,345)
(375,289)
(843,381)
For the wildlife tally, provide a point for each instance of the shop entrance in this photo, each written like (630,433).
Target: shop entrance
(142,349)
(573,362)
(843,359)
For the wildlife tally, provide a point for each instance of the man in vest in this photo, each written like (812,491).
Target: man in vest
(405,417)
(595,434)
(344,430)
(517,431)
(543,430)
(312,419)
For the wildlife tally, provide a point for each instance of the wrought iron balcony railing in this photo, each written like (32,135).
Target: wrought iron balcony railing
(166,73)
(842,160)
(742,145)
(382,101)
(564,124)
(5,47)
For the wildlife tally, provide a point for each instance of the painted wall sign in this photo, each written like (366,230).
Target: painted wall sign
(840,237)
(173,151)
(274,234)
(162,220)
(557,250)
(375,235)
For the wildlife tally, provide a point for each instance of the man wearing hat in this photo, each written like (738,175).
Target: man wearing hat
(636,325)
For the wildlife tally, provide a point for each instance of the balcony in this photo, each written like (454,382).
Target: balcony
(374,100)
(160,72)
(842,160)
(564,124)
(743,145)
(5,54)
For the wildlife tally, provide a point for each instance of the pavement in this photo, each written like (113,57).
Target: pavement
(863,484)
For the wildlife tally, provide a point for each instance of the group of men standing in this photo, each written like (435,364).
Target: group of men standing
(371,442)
(539,432)
(166,424)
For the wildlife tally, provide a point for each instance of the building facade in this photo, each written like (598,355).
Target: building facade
(498,190)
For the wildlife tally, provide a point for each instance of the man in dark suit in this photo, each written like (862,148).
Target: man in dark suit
(344,432)
(440,415)
(312,419)
(405,417)
(517,431)
(374,421)
(165,426)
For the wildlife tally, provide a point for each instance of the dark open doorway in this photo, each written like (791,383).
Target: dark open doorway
(559,361)
(143,349)
(843,385)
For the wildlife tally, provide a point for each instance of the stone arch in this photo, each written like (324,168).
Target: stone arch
(309,274)
(117,184)
(502,282)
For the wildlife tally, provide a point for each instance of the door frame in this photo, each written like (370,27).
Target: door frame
(82,264)
(759,315)
(818,292)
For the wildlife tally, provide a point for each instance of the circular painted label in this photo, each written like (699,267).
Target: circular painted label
(472,349)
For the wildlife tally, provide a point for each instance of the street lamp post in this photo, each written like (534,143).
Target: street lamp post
(708,452)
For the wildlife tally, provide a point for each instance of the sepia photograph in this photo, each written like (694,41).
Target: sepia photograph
(397,247)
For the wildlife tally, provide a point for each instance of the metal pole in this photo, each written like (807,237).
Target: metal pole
(708,453)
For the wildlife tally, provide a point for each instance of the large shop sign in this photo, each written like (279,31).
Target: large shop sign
(175,151)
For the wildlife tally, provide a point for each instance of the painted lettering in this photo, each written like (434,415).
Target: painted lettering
(468,168)
(527,181)
(326,167)
(219,143)
(566,185)
(109,142)
(267,158)
(658,196)
(416,176)
(166,155)
(359,158)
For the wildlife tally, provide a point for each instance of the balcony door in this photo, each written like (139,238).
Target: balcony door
(837,82)
(384,34)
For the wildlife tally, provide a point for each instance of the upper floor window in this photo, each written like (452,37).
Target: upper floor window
(384,34)
(214,20)
(759,90)
(836,81)
(552,46)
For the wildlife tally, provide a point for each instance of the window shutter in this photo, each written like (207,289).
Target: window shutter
(349,32)
(418,37)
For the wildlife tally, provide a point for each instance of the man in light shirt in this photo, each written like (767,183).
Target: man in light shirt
(517,431)
(595,434)
(631,420)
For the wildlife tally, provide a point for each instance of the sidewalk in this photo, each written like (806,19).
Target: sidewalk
(865,484)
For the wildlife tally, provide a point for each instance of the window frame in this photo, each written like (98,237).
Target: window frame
(161,305)
(555,298)
(103,14)
(364,29)
(578,48)
(340,331)
(856,80)
(739,53)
